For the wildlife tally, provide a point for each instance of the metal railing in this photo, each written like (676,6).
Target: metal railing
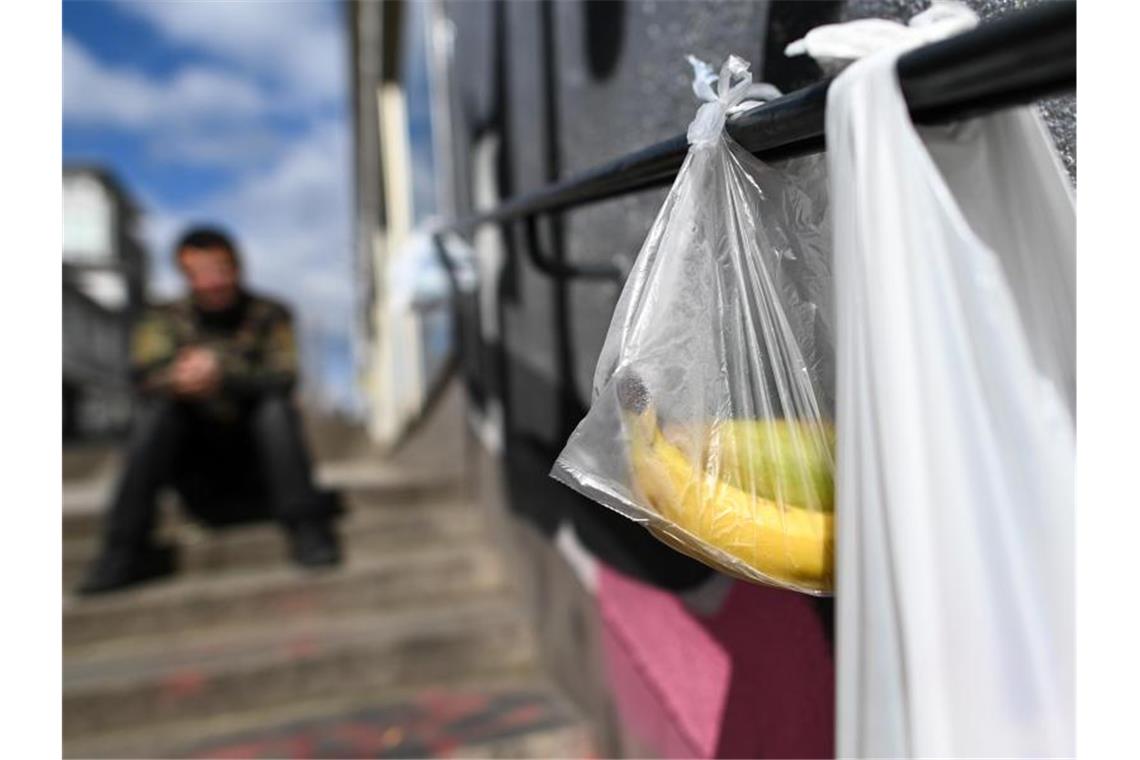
(1010,61)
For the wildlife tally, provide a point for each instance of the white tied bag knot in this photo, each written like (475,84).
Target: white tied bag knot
(728,97)
(835,45)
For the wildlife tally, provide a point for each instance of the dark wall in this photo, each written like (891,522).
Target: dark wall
(544,90)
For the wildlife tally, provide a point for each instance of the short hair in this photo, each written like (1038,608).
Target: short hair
(207,237)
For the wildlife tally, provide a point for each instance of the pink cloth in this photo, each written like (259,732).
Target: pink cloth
(756,679)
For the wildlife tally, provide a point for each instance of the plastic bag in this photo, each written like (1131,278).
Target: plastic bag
(711,422)
(954,275)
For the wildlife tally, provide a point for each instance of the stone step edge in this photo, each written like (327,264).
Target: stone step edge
(468,648)
(184,532)
(172,734)
(89,498)
(236,586)
(250,646)
(196,561)
(480,571)
(87,525)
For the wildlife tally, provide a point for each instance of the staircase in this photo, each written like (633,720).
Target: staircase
(416,646)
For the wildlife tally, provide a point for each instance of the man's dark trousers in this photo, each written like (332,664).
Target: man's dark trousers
(252,467)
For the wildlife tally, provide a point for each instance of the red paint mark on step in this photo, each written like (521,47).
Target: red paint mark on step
(300,746)
(521,716)
(446,705)
(360,738)
(444,747)
(298,603)
(302,647)
(248,751)
(181,684)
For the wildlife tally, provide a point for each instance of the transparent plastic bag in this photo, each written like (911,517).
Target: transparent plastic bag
(711,422)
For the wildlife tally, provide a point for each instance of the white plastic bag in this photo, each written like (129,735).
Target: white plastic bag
(713,395)
(954,279)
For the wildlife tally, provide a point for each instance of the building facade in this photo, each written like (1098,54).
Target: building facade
(404,326)
(104,280)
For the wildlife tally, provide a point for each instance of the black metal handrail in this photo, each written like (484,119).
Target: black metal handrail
(1010,61)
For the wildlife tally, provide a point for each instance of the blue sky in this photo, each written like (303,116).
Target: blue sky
(229,112)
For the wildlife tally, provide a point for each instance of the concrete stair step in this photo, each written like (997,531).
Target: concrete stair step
(504,719)
(147,681)
(381,581)
(88,461)
(84,503)
(366,531)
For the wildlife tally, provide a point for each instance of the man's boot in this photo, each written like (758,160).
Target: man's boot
(313,542)
(119,568)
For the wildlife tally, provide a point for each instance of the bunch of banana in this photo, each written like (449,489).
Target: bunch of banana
(759,490)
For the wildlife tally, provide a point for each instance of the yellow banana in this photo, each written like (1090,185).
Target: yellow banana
(784,543)
(786,461)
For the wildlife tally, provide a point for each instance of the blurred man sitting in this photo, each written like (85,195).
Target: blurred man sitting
(214,372)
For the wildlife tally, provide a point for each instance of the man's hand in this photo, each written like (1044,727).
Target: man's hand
(196,373)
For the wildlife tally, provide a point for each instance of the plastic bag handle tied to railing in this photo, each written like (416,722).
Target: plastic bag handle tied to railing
(834,46)
(706,127)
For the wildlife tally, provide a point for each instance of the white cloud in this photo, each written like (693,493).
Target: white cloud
(231,146)
(94,93)
(297,45)
(199,116)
